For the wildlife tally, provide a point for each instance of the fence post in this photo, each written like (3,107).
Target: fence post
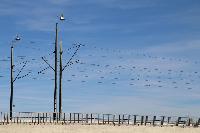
(50,118)
(14,118)
(86,118)
(168,120)
(31,117)
(162,120)
(198,122)
(17,119)
(70,117)
(103,119)
(82,118)
(64,118)
(154,119)
(38,118)
(142,120)
(91,118)
(177,123)
(108,118)
(98,119)
(122,119)
(43,117)
(146,120)
(4,118)
(113,119)
(78,117)
(135,120)
(7,119)
(20,118)
(57,117)
(74,117)
(119,120)
(46,117)
(53,117)
(129,117)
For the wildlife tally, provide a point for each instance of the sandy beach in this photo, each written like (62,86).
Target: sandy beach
(92,129)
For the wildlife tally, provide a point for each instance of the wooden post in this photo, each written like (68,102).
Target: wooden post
(198,123)
(17,119)
(57,116)
(119,120)
(146,120)
(14,119)
(64,118)
(142,120)
(113,119)
(162,120)
(78,118)
(168,120)
(38,118)
(103,119)
(98,119)
(70,117)
(43,117)
(82,118)
(179,119)
(129,117)
(32,118)
(74,117)
(54,117)
(7,118)
(154,119)
(4,118)
(55,70)
(135,119)
(91,118)
(122,119)
(50,118)
(11,82)
(108,118)
(86,118)
(189,122)
(35,115)
(46,117)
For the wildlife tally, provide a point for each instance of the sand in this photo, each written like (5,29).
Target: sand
(92,129)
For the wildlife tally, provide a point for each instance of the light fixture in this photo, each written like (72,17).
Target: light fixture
(17,38)
(62,17)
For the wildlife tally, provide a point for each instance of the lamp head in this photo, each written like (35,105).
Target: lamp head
(62,17)
(17,38)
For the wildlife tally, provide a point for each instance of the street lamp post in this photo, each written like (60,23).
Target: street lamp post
(55,70)
(60,75)
(12,75)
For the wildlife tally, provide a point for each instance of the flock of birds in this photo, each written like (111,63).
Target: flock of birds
(113,67)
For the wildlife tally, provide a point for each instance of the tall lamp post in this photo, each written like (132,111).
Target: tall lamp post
(12,75)
(60,75)
(55,69)
(62,68)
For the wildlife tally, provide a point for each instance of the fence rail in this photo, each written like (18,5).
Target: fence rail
(94,118)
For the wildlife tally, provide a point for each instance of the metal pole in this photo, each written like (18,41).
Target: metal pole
(55,89)
(60,83)
(11,82)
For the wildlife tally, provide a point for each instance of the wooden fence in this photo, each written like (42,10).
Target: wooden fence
(94,118)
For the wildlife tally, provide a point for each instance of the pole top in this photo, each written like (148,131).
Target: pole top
(17,38)
(62,17)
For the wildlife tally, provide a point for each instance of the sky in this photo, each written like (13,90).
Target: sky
(139,56)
